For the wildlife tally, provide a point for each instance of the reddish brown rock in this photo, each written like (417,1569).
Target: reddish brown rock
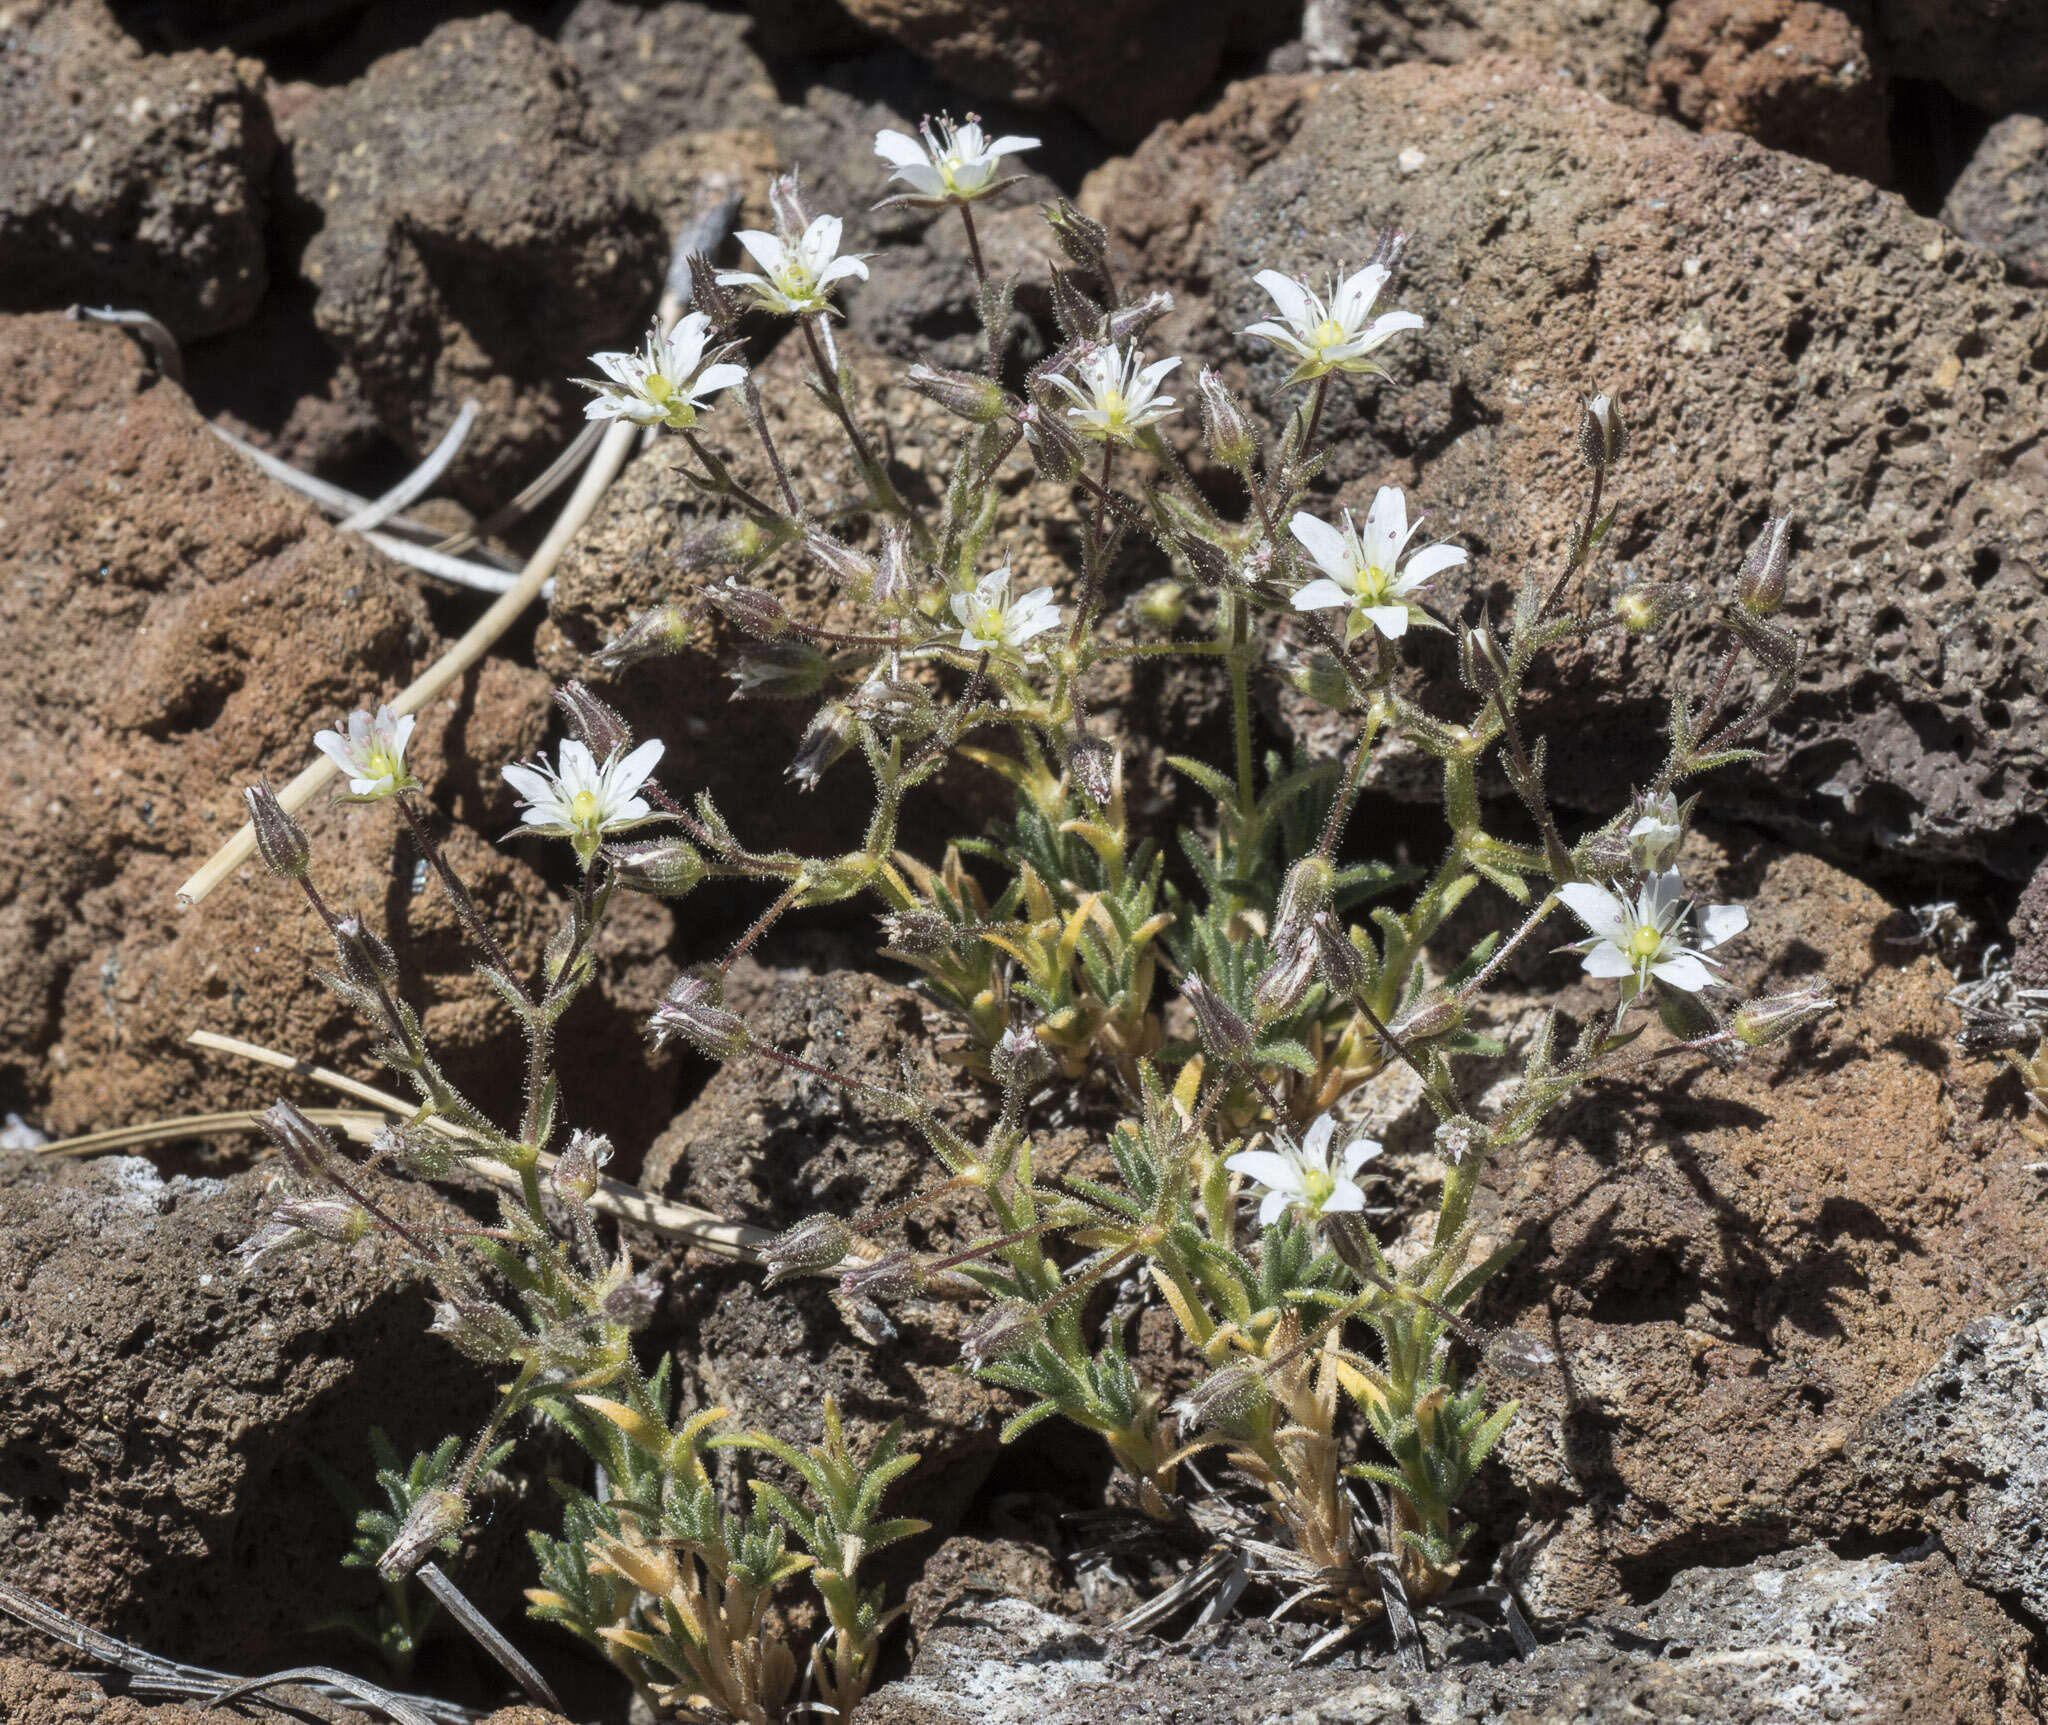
(1601,44)
(1794,74)
(175,625)
(131,179)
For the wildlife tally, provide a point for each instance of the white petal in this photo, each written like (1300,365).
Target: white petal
(1009,144)
(1359,1152)
(1324,595)
(1390,620)
(900,150)
(1606,960)
(922,178)
(1685,971)
(1282,338)
(1603,914)
(1315,1142)
(1719,922)
(821,240)
(1148,379)
(335,747)
(1354,297)
(632,772)
(1386,327)
(1268,1167)
(1386,526)
(1274,1208)
(1434,560)
(1660,898)
(841,268)
(532,785)
(1297,305)
(576,766)
(1328,547)
(716,377)
(765,249)
(1345,1196)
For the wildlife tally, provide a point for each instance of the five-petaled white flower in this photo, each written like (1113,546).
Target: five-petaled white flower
(666,383)
(1303,1175)
(371,752)
(954,164)
(798,275)
(1646,937)
(1359,570)
(580,800)
(1117,395)
(1337,337)
(992,621)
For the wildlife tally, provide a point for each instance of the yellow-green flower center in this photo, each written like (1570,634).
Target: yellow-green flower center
(1328,333)
(583,808)
(1318,1186)
(379,765)
(658,388)
(1646,942)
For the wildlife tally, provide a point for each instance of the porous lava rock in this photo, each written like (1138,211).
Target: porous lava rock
(1991,53)
(1781,338)
(1794,74)
(478,236)
(131,179)
(2000,200)
(162,1411)
(661,70)
(2030,932)
(1741,1268)
(1804,1633)
(1601,44)
(177,624)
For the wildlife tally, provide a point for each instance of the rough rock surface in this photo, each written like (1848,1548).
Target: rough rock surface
(161,1411)
(659,70)
(129,179)
(1781,338)
(1991,53)
(1794,74)
(32,1694)
(1740,1269)
(2030,932)
(1968,1447)
(479,238)
(2000,202)
(1802,1635)
(1125,65)
(1601,44)
(175,625)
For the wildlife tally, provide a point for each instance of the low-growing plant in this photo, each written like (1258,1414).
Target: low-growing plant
(1056,942)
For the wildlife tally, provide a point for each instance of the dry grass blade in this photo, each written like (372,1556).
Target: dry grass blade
(354,1121)
(485,1634)
(481,577)
(162,344)
(414,485)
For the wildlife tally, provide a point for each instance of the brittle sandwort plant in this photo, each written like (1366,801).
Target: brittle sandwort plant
(1055,941)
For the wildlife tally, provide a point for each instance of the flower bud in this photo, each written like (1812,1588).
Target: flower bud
(1054,448)
(893,707)
(1082,238)
(1519,1354)
(1017,1058)
(1655,835)
(1224,1034)
(280,840)
(1603,435)
(1431,1018)
(1092,764)
(918,933)
(1341,965)
(592,722)
(365,960)
(814,1245)
(1774,1017)
(1226,432)
(889,1277)
(1761,589)
(1208,561)
(1073,311)
(324,1219)
(894,582)
(579,1170)
(708,296)
(665,629)
(1481,664)
(633,1301)
(1306,891)
(435,1520)
(786,204)
(1128,322)
(1322,680)
(1007,1327)
(667,868)
(692,1009)
(786,670)
(415,1149)
(1222,1398)
(1285,983)
(761,615)
(830,735)
(842,562)
(479,1328)
(970,396)
(1163,604)
(305,1146)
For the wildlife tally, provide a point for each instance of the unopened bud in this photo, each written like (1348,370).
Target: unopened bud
(665,629)
(1603,435)
(967,394)
(1222,1398)
(918,933)
(761,615)
(1163,604)
(894,583)
(579,1170)
(1322,680)
(1128,322)
(592,722)
(894,707)
(435,1521)
(1017,1058)
(1081,237)
(1073,311)
(1761,590)
(1226,432)
(1341,965)
(786,204)
(1284,984)
(1655,835)
(813,1246)
(1519,1354)
(1092,763)
(708,296)
(365,960)
(1481,664)
(846,565)
(1431,1019)
(786,670)
(1054,448)
(1224,1034)
(1007,1327)
(830,735)
(667,868)
(1209,562)
(632,1302)
(1774,1017)
(280,840)
(480,1329)
(889,1277)
(1307,890)
(416,1149)
(692,1009)
(324,1219)
(305,1146)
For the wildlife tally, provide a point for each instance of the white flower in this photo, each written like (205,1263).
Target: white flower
(1359,571)
(954,164)
(1303,1175)
(1645,937)
(371,752)
(1337,337)
(579,800)
(990,620)
(662,384)
(1114,397)
(1653,840)
(798,276)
